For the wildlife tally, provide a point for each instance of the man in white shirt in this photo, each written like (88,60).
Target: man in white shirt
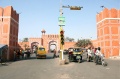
(99,55)
(89,54)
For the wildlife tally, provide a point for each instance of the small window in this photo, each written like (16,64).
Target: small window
(42,49)
(77,50)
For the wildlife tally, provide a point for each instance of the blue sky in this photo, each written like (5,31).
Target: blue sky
(36,15)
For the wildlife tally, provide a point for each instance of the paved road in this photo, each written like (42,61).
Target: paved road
(50,69)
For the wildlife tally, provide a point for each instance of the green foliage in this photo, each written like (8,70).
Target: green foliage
(25,46)
(25,40)
(83,43)
(68,39)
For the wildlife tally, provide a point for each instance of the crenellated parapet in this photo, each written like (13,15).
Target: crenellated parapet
(107,14)
(9,28)
(52,36)
(108,31)
(34,39)
(9,12)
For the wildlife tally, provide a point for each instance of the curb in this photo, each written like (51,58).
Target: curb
(115,58)
(63,62)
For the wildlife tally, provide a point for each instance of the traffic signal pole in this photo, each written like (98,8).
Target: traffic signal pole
(61,28)
(61,42)
(61,24)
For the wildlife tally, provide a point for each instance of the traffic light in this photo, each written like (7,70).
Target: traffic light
(62,37)
(75,8)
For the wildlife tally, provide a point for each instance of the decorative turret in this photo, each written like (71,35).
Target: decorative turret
(43,32)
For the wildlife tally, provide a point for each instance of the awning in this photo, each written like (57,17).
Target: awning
(3,51)
(2,46)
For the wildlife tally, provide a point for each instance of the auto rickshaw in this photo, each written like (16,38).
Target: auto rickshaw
(41,52)
(75,54)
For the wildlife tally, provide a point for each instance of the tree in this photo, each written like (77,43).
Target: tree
(25,45)
(25,40)
(83,43)
(67,39)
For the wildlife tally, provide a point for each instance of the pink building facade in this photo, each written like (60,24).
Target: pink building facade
(46,41)
(108,32)
(9,26)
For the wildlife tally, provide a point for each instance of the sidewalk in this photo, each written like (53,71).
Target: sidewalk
(115,57)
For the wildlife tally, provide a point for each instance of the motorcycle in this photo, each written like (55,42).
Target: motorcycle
(100,60)
(90,57)
(79,58)
(103,62)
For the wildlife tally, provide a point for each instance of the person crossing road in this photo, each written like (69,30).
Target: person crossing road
(98,55)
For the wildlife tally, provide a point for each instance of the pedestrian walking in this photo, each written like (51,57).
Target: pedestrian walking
(89,54)
(25,54)
(18,54)
(28,53)
(98,55)
(54,54)
(15,55)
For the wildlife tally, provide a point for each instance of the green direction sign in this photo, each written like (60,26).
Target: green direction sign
(61,21)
